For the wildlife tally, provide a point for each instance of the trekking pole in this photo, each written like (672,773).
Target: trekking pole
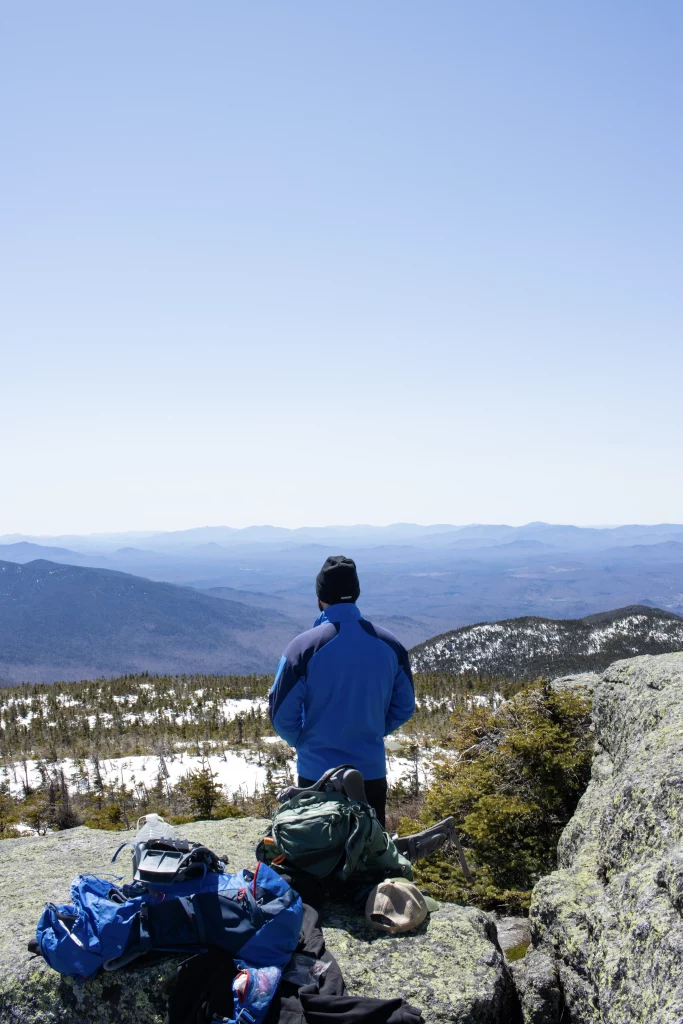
(461,856)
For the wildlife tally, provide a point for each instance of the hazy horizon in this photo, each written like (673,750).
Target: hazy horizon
(332,526)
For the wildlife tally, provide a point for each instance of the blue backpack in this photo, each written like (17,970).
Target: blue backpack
(255,917)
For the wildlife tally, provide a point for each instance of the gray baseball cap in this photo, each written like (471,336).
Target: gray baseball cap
(397,905)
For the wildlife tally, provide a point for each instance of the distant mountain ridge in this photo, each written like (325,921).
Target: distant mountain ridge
(69,622)
(474,535)
(26,551)
(417,581)
(530,647)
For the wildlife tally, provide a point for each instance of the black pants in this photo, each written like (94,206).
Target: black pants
(375,790)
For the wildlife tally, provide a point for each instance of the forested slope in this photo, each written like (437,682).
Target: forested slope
(530,647)
(66,622)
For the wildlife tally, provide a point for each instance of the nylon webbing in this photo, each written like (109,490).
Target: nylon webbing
(201,927)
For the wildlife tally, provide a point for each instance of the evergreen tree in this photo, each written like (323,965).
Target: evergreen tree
(512,786)
(8,814)
(200,788)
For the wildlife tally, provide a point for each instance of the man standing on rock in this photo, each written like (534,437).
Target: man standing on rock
(341,687)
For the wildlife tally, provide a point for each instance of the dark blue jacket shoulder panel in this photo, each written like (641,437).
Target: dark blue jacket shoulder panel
(397,647)
(294,662)
(302,648)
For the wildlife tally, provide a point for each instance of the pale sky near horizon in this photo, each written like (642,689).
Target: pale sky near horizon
(314,262)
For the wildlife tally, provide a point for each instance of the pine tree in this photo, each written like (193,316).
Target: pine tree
(201,790)
(65,816)
(98,782)
(8,814)
(512,787)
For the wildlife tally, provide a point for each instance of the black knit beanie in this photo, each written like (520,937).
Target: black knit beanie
(337,581)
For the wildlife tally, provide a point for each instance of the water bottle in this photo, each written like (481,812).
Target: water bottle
(153,827)
(253,989)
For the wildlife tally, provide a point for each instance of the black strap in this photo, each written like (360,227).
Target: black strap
(201,855)
(191,907)
(324,779)
(128,843)
(145,938)
(201,926)
(316,787)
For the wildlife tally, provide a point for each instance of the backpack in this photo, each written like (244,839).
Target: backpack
(254,916)
(164,860)
(331,832)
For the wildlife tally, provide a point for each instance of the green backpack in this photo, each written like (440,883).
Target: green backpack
(330,835)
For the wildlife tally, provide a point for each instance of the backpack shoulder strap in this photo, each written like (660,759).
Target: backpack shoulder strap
(318,786)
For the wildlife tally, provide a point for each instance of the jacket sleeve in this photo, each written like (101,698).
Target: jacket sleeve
(286,701)
(402,703)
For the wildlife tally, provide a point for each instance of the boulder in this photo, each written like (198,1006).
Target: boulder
(607,926)
(512,931)
(538,988)
(452,966)
(583,680)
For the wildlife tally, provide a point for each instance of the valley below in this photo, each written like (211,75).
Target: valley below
(216,600)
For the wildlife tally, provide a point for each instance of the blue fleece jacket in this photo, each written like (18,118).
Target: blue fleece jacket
(340,688)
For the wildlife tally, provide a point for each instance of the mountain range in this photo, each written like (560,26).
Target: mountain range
(418,581)
(531,647)
(475,536)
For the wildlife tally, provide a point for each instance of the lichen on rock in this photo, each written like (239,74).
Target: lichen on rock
(607,925)
(38,870)
(452,966)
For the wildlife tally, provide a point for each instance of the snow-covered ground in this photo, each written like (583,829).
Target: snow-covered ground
(238,771)
(227,710)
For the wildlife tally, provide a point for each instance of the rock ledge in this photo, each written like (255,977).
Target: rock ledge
(607,926)
(452,967)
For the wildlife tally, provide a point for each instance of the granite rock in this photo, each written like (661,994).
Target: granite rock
(538,988)
(452,966)
(512,931)
(607,926)
(583,680)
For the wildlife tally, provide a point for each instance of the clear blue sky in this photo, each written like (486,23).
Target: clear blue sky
(316,262)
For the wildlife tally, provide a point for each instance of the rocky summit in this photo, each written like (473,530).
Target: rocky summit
(452,966)
(607,926)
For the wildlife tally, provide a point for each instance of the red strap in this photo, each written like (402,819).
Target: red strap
(253,881)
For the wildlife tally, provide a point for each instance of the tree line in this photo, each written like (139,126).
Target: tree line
(141,714)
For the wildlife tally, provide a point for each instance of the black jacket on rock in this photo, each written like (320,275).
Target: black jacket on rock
(203,990)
